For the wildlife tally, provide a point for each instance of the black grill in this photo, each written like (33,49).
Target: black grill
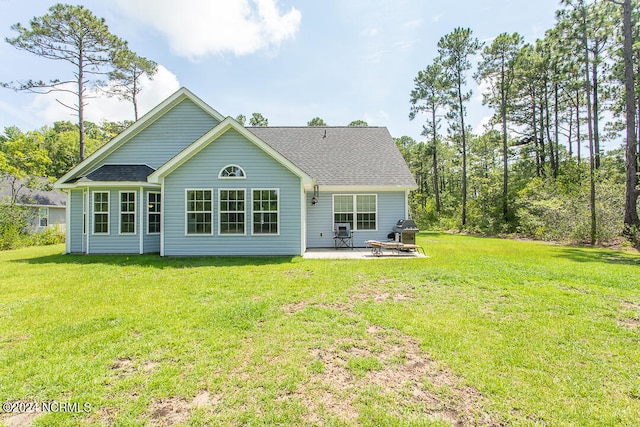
(405,231)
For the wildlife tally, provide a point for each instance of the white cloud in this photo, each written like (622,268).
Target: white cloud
(481,127)
(197,28)
(101,107)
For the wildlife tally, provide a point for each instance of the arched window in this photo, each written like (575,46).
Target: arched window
(232,171)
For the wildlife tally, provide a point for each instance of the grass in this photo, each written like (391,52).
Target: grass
(483,332)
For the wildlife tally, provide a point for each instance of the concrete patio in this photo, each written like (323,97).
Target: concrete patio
(358,253)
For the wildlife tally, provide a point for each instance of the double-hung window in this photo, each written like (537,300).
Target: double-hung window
(265,211)
(127,212)
(360,211)
(153,218)
(43,215)
(366,212)
(199,211)
(232,212)
(101,212)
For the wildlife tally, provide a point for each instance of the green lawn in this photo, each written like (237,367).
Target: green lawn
(483,332)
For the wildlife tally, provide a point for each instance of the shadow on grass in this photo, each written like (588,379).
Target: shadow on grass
(598,255)
(155,261)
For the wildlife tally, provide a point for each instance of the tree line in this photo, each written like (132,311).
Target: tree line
(573,89)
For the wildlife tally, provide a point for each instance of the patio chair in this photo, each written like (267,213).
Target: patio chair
(342,235)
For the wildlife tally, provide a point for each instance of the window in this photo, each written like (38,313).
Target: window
(101,212)
(153,217)
(366,212)
(343,209)
(358,210)
(231,212)
(232,171)
(43,215)
(199,212)
(265,211)
(127,212)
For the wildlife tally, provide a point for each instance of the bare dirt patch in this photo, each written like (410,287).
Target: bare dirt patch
(169,411)
(19,420)
(293,308)
(402,372)
(629,315)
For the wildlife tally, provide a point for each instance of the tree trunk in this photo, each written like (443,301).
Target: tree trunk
(543,154)
(592,185)
(578,141)
(556,130)
(505,171)
(631,193)
(464,155)
(535,136)
(435,161)
(596,113)
(81,101)
(552,157)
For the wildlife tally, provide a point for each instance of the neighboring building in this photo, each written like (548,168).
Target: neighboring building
(184,180)
(48,206)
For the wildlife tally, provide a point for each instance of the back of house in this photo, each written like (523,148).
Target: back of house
(185,180)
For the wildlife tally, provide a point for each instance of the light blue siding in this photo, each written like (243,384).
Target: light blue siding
(75,228)
(165,137)
(391,208)
(151,241)
(112,243)
(262,172)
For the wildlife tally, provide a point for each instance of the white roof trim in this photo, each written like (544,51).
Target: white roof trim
(110,184)
(211,136)
(363,188)
(146,120)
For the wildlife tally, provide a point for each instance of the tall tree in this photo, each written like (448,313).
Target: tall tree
(359,122)
(631,164)
(455,50)
(316,121)
(125,78)
(258,119)
(430,95)
(498,68)
(74,35)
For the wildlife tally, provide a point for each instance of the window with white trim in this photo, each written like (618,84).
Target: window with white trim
(101,212)
(366,212)
(232,212)
(265,211)
(232,171)
(360,211)
(153,213)
(43,216)
(199,211)
(127,212)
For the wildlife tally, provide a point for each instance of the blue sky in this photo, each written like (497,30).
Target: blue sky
(290,60)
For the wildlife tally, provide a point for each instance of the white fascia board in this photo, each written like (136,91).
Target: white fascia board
(110,184)
(362,188)
(146,120)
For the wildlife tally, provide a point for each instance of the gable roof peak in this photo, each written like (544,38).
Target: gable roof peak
(146,120)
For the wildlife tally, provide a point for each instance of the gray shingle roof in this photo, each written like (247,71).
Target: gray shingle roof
(358,156)
(119,173)
(40,197)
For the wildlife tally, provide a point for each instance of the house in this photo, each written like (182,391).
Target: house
(185,180)
(48,206)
